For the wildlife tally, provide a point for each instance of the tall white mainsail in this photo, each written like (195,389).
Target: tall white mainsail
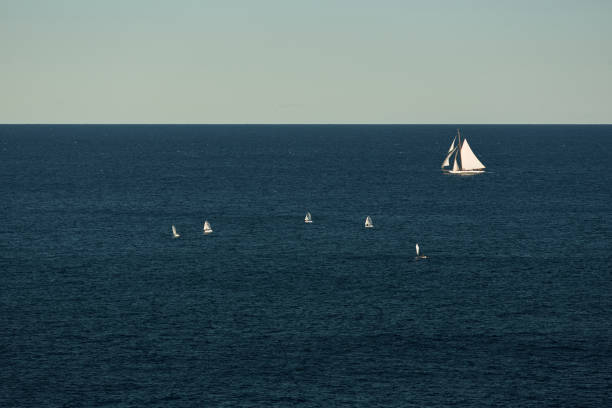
(368,222)
(419,255)
(207,229)
(469,161)
(174,233)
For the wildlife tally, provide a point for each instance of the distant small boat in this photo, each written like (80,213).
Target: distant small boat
(464,159)
(174,233)
(207,229)
(308,218)
(419,255)
(368,222)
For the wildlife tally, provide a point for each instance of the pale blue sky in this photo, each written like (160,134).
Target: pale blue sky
(318,61)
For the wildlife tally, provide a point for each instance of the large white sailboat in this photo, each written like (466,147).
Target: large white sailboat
(207,228)
(308,218)
(464,159)
(174,233)
(368,222)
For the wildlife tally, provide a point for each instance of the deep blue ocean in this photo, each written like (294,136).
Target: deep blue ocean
(101,307)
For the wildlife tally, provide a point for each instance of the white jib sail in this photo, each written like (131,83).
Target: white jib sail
(417,250)
(450,153)
(452,146)
(455,165)
(469,161)
(368,222)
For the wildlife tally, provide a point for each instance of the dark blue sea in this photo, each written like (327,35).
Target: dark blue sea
(101,307)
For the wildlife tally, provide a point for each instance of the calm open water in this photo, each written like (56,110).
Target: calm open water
(100,307)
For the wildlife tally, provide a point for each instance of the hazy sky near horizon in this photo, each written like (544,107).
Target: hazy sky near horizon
(318,61)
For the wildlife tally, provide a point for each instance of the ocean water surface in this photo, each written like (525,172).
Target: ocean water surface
(100,307)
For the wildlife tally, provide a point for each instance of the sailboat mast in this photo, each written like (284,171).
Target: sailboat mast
(459,149)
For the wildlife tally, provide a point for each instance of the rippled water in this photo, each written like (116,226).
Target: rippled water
(99,306)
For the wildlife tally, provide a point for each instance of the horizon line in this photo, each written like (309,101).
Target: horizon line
(304,124)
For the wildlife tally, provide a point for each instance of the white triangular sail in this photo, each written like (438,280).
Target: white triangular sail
(308,218)
(368,222)
(174,233)
(469,161)
(455,165)
(451,150)
(207,228)
(452,146)
(419,254)
(450,153)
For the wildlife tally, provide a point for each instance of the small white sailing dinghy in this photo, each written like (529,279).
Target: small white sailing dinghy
(368,222)
(174,233)
(419,255)
(207,229)
(464,159)
(308,218)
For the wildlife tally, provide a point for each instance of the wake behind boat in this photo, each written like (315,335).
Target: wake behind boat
(464,159)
